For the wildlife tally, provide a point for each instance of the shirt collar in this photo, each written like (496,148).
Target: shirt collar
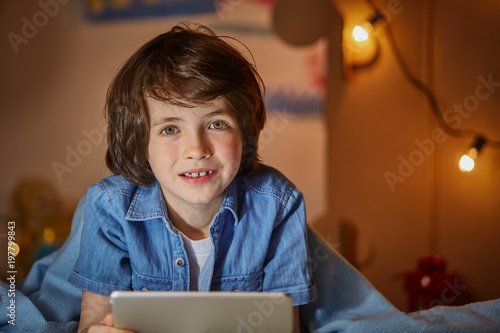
(148,203)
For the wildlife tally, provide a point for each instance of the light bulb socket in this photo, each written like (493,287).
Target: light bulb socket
(376,17)
(479,142)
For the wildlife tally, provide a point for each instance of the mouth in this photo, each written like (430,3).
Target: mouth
(197,174)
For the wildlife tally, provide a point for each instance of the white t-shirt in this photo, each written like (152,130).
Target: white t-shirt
(197,252)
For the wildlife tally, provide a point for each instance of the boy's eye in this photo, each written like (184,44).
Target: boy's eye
(218,124)
(169,130)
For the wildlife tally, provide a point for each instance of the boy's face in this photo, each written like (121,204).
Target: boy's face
(194,152)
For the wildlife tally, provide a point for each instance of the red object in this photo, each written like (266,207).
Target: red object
(431,284)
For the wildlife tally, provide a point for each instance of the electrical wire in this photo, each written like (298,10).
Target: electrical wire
(424,89)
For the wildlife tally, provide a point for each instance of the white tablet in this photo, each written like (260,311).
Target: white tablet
(202,312)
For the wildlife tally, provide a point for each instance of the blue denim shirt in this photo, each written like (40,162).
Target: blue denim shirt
(259,240)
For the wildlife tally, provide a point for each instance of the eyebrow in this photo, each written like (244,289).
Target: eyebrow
(218,113)
(164,120)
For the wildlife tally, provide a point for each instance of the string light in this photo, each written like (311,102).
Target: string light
(49,235)
(13,249)
(467,161)
(361,47)
(361,33)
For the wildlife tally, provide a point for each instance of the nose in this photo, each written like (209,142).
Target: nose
(197,146)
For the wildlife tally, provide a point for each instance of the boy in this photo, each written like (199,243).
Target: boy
(189,206)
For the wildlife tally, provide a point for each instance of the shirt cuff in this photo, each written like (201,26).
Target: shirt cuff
(302,296)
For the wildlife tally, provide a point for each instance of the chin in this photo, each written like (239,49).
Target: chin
(204,199)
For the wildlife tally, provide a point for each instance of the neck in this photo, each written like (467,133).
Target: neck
(193,221)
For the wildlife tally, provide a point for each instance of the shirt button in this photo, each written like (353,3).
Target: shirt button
(144,289)
(180,262)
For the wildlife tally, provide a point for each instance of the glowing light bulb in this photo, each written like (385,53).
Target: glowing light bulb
(466,163)
(13,249)
(49,235)
(360,34)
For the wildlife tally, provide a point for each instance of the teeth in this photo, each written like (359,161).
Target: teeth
(197,174)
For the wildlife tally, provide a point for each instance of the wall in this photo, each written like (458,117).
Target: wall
(470,203)
(379,120)
(53,90)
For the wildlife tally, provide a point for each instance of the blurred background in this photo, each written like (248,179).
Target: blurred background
(347,124)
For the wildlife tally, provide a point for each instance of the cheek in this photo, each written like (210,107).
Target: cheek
(230,150)
(160,153)
(152,154)
(234,151)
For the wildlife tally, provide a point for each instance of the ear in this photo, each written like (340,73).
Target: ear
(301,22)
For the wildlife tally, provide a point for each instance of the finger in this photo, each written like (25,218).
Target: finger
(99,328)
(108,320)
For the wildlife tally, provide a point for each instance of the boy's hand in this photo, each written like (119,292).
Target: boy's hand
(94,307)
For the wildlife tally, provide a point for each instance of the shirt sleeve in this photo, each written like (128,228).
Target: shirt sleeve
(288,268)
(103,264)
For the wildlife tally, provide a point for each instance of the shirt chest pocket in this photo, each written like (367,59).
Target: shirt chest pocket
(250,282)
(148,283)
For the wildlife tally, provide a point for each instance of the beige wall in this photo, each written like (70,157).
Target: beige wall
(53,90)
(378,118)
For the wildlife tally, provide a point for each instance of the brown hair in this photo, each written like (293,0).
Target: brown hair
(185,66)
